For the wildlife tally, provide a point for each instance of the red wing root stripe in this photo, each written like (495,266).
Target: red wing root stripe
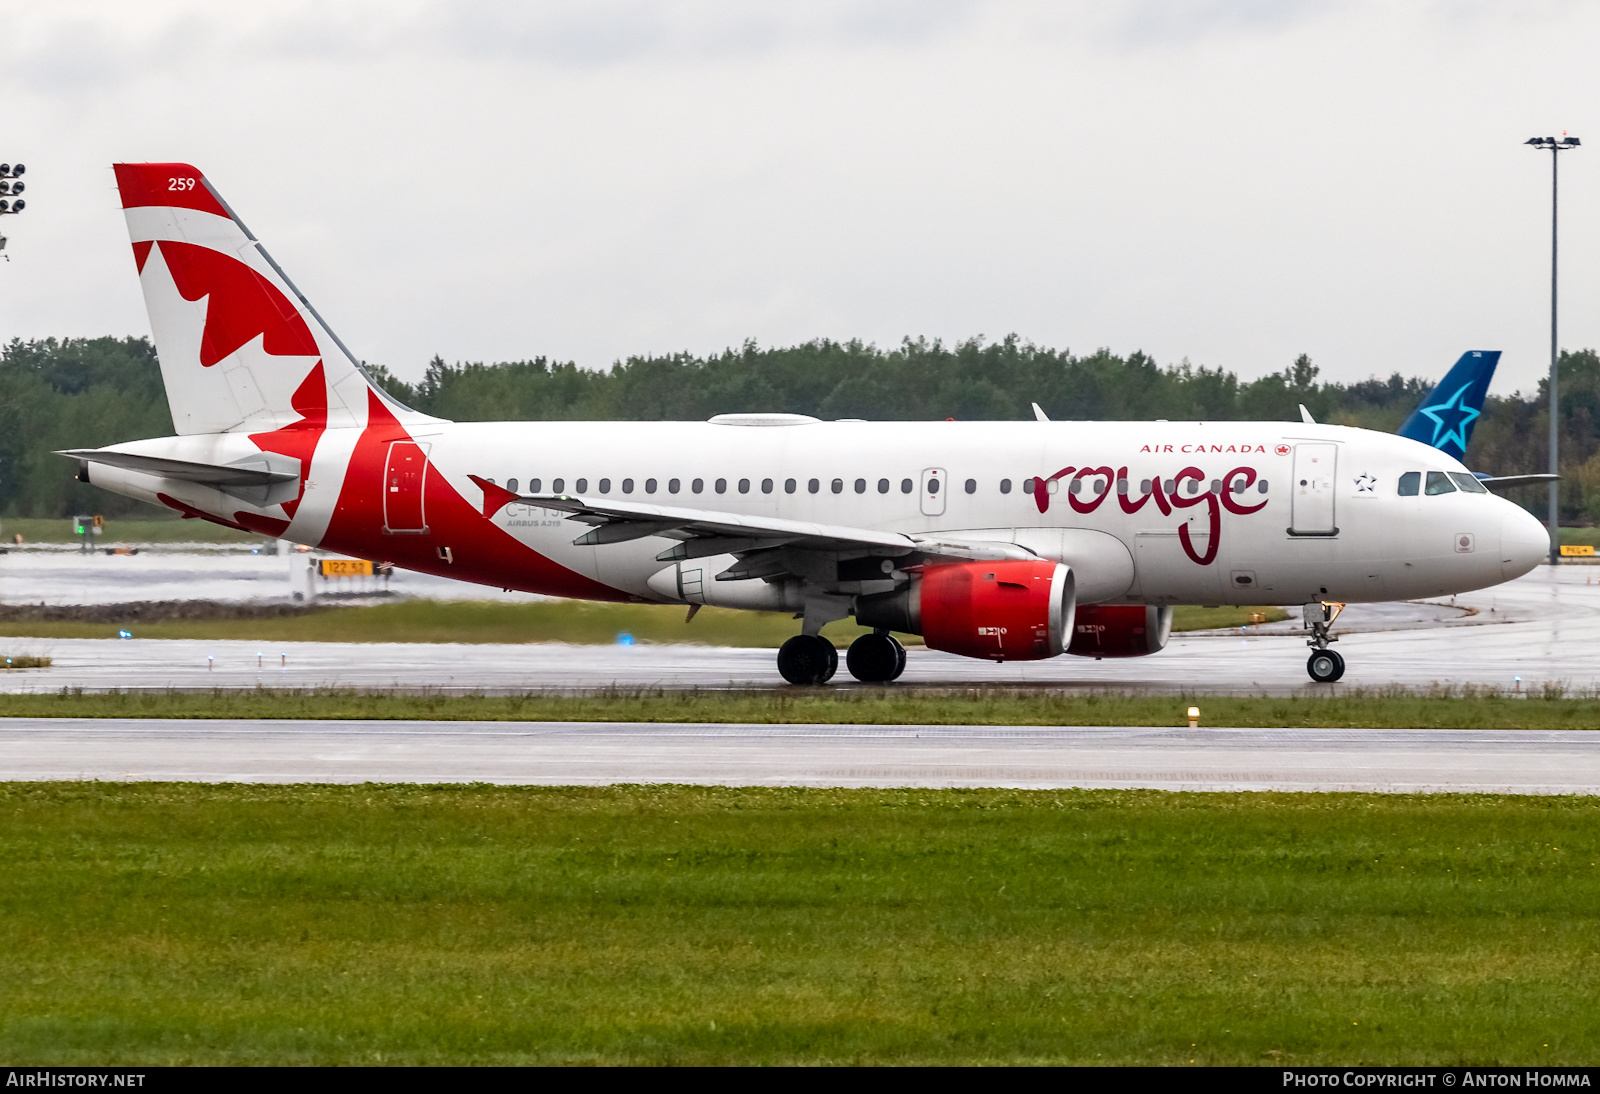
(495,497)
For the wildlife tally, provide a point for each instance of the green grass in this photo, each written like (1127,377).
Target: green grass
(21,661)
(157,924)
(117,530)
(894,705)
(577,621)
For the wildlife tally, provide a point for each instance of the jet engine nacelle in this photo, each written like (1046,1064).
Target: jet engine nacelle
(1000,611)
(1120,630)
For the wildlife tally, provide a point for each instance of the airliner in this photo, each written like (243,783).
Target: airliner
(1007,541)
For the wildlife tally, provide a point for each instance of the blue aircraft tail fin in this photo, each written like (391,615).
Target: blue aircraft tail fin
(1446,417)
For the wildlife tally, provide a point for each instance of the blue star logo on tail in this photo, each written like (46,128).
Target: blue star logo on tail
(1450,421)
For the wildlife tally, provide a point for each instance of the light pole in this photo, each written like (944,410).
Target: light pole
(10,185)
(1556,147)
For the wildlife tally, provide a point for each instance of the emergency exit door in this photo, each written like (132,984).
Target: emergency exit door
(1311,508)
(933,492)
(404,477)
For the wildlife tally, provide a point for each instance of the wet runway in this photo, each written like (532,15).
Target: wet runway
(53,574)
(578,753)
(1543,628)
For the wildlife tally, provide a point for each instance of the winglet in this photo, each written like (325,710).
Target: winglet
(1039,415)
(1305,415)
(495,497)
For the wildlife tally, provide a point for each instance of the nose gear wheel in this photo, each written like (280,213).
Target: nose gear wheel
(1325,666)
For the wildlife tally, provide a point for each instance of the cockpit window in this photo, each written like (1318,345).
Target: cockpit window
(1467,482)
(1409,484)
(1438,483)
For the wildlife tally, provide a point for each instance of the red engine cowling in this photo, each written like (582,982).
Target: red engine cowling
(1120,630)
(1002,611)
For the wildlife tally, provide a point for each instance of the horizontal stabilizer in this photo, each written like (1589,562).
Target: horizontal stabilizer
(264,479)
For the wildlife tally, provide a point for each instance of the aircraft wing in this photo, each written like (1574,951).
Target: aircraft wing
(1500,482)
(706,532)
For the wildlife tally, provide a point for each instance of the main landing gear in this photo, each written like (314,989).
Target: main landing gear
(809,659)
(1324,666)
(876,658)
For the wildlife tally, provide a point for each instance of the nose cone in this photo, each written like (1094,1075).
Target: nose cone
(1524,544)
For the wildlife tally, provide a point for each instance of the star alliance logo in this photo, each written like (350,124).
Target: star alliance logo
(1365,483)
(1451,419)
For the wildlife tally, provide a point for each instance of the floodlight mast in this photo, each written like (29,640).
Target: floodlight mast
(1556,147)
(9,188)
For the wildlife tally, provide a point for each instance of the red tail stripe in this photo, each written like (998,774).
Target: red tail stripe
(175,185)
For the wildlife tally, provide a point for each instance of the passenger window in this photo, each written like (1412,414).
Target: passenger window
(649,486)
(1410,482)
(581,486)
(722,486)
(788,486)
(933,486)
(813,486)
(883,486)
(1073,487)
(766,486)
(672,486)
(1122,487)
(1144,486)
(533,486)
(861,486)
(1438,483)
(1467,482)
(558,486)
(1005,486)
(627,486)
(744,486)
(838,486)
(1262,488)
(511,485)
(972,486)
(605,486)
(697,485)
(1027,486)
(906,486)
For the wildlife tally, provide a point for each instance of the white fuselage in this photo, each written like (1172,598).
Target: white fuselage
(1298,531)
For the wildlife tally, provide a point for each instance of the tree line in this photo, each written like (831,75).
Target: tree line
(86,392)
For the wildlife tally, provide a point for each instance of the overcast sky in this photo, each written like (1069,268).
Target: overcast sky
(1233,182)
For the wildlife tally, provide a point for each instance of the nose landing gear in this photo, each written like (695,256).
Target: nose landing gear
(876,658)
(1324,666)
(807,659)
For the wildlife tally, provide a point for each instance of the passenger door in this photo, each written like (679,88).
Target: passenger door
(404,477)
(1311,504)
